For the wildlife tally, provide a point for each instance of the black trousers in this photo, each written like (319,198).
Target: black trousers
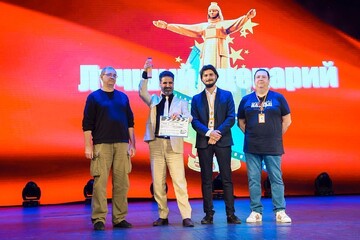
(223,155)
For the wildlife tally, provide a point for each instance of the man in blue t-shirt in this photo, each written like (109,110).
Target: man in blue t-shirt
(108,126)
(264,116)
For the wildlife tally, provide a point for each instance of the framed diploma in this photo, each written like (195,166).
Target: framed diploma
(175,127)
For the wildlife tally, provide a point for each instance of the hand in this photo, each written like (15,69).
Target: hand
(215,135)
(160,24)
(211,141)
(175,115)
(148,64)
(131,150)
(89,152)
(251,13)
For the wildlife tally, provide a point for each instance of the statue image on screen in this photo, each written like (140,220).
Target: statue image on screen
(214,32)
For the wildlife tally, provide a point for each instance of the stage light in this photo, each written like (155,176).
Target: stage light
(323,185)
(267,187)
(88,191)
(31,195)
(217,188)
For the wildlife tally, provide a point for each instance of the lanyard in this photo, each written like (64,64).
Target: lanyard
(261,102)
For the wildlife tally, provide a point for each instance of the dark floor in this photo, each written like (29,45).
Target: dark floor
(334,217)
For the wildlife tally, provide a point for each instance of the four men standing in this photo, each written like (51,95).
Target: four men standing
(108,125)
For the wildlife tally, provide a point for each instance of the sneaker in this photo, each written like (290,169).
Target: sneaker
(123,224)
(282,217)
(99,226)
(254,217)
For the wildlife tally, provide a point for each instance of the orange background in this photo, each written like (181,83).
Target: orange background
(42,47)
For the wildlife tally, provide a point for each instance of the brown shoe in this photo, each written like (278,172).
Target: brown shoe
(161,222)
(188,223)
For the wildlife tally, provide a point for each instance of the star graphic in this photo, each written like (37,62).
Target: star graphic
(249,26)
(246,51)
(178,59)
(235,55)
(243,33)
(243,66)
(229,39)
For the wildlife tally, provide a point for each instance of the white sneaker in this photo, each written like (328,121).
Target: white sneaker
(254,217)
(282,217)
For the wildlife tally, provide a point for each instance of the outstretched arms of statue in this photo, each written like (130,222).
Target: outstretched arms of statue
(236,24)
(160,24)
(251,13)
(190,30)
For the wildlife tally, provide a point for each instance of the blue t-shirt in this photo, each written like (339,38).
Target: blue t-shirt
(263,138)
(109,116)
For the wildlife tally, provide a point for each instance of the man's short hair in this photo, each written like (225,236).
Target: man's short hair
(166,74)
(208,67)
(106,68)
(262,69)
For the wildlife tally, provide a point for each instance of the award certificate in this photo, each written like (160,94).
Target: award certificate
(176,127)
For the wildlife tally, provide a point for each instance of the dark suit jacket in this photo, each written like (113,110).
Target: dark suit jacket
(224,117)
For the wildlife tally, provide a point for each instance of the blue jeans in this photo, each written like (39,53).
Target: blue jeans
(273,167)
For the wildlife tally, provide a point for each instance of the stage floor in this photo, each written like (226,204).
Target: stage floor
(335,217)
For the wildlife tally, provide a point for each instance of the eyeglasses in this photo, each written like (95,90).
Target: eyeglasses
(111,75)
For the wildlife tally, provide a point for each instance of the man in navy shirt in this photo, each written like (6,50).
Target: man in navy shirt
(264,116)
(108,126)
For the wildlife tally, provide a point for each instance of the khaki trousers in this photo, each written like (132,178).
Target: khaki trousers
(162,156)
(107,156)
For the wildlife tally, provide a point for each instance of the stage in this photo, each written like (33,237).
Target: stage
(334,217)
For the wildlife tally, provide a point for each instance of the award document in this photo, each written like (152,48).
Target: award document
(175,127)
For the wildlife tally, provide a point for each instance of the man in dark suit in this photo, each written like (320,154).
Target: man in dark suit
(213,112)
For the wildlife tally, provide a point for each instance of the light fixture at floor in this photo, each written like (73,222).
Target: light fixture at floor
(31,195)
(218,190)
(88,191)
(152,189)
(267,187)
(323,185)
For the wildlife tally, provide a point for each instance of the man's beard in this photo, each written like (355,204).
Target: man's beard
(168,91)
(210,85)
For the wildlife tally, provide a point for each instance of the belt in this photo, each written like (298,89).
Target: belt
(164,137)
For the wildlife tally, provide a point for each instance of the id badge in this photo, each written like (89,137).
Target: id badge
(261,118)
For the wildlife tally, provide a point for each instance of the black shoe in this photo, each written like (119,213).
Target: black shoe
(123,224)
(188,223)
(99,226)
(161,222)
(232,219)
(208,219)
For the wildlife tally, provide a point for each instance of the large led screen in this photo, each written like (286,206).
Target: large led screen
(51,54)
